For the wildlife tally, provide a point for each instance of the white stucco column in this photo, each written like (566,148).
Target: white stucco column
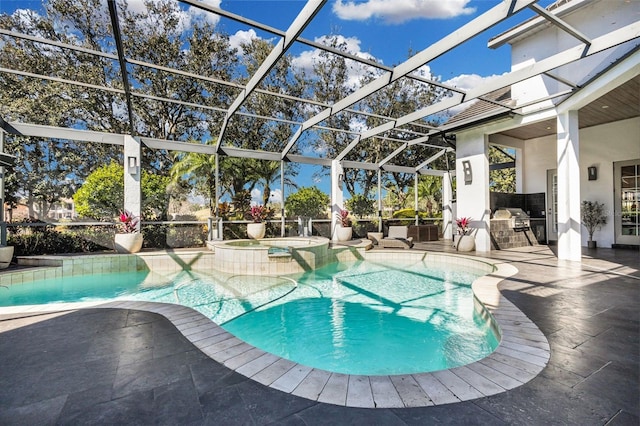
(337,198)
(472,178)
(447,207)
(132,172)
(568,144)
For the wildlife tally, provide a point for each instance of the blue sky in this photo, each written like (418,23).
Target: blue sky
(384,30)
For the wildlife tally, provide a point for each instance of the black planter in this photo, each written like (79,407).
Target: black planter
(592,244)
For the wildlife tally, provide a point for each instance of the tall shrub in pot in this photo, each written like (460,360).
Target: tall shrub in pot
(593,217)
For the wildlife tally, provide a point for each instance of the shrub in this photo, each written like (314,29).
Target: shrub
(49,241)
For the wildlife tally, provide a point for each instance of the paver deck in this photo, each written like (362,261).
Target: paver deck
(127,365)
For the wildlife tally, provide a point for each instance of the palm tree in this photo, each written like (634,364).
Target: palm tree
(199,171)
(268,172)
(430,189)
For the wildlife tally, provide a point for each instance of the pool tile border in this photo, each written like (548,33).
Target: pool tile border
(522,354)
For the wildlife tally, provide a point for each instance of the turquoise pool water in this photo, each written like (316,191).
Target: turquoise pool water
(360,318)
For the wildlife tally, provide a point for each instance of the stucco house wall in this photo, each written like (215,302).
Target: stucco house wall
(592,18)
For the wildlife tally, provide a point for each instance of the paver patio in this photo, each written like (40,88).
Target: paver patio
(126,366)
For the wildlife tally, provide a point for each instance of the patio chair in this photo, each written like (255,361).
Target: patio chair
(397,238)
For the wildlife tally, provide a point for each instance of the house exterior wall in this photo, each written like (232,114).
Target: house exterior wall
(593,19)
(600,146)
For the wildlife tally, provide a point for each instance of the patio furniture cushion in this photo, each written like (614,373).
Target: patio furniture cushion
(397,238)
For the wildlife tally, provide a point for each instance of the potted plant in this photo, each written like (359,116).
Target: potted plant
(129,240)
(257,228)
(6,255)
(593,217)
(464,240)
(344,231)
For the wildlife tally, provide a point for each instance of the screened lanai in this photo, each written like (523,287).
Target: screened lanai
(141,80)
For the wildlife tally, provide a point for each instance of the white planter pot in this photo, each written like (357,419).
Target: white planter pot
(344,234)
(128,243)
(465,243)
(6,254)
(256,230)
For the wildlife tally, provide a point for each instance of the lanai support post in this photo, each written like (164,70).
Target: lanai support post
(472,177)
(447,207)
(568,147)
(215,222)
(283,228)
(379,200)
(3,223)
(415,193)
(132,173)
(337,197)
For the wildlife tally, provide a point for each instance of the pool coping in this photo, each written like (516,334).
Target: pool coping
(521,355)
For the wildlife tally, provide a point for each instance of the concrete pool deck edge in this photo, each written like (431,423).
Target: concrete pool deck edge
(521,355)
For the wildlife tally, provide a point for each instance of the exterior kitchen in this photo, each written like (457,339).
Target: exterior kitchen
(517,220)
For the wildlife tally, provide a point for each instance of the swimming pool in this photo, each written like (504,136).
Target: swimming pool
(354,318)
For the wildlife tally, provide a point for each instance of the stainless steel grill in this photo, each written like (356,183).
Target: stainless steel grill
(519,219)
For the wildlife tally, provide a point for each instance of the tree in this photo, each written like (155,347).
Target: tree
(361,205)
(429,194)
(101,196)
(330,82)
(45,172)
(307,202)
(198,171)
(501,180)
(157,34)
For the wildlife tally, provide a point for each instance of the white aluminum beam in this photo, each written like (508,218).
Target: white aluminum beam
(399,169)
(393,154)
(295,158)
(299,24)
(250,153)
(58,44)
(432,158)
(62,80)
(51,132)
(432,172)
(488,19)
(529,25)
(560,23)
(168,145)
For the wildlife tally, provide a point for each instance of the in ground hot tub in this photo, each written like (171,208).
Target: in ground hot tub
(270,256)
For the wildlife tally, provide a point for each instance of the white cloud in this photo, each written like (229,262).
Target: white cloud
(468,82)
(355,70)
(242,37)
(186,18)
(199,14)
(276,196)
(256,196)
(396,12)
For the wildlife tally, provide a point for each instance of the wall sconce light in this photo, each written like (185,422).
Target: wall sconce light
(340,178)
(466,169)
(592,172)
(132,165)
